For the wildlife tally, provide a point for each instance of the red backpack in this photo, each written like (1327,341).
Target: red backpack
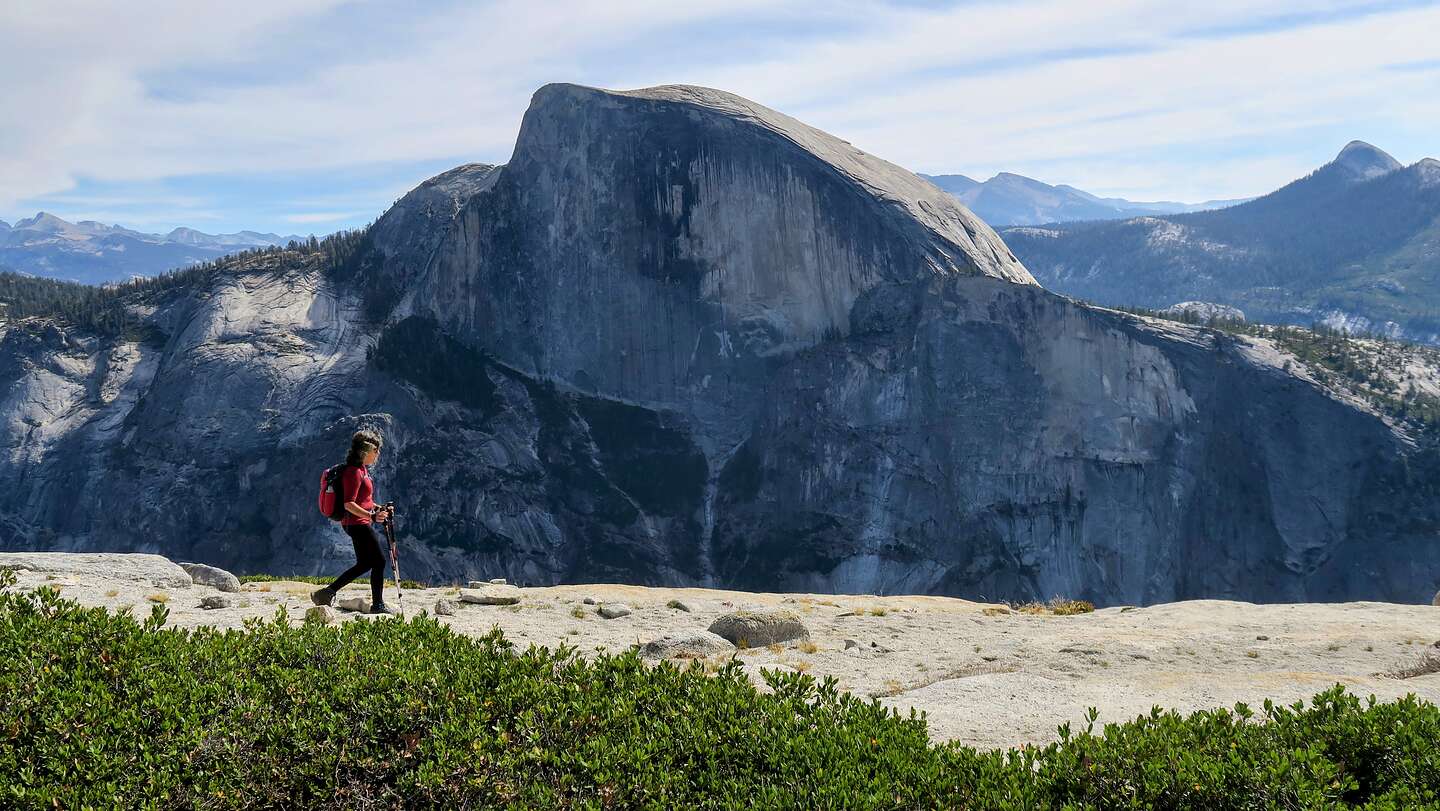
(332,506)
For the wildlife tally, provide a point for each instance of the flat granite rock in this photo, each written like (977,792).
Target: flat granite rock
(211,602)
(489,594)
(353,604)
(155,569)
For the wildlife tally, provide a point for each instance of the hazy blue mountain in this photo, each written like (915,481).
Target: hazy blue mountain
(1356,244)
(95,253)
(1011,199)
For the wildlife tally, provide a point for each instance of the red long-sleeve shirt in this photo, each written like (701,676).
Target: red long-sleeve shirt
(355,485)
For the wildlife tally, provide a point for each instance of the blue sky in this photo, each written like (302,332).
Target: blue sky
(300,116)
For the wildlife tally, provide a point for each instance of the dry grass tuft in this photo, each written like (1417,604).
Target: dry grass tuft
(578,613)
(774,648)
(995,611)
(1057,607)
(808,647)
(1063,608)
(158,597)
(113,593)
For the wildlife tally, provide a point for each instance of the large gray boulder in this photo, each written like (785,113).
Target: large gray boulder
(213,576)
(154,569)
(756,629)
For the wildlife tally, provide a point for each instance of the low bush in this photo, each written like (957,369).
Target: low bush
(104,710)
(323,581)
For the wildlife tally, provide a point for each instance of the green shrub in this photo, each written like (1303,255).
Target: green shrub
(102,710)
(322,581)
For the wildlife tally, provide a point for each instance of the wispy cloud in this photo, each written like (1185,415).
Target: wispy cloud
(322,216)
(1187,101)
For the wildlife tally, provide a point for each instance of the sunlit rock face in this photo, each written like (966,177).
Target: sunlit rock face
(683,339)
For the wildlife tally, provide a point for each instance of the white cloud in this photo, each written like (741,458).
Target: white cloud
(1109,93)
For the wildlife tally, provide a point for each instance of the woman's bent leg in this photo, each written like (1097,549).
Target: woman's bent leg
(374,560)
(361,537)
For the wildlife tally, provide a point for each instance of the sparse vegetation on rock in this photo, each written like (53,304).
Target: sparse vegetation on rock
(286,715)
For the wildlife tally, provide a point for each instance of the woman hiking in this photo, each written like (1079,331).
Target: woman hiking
(358,492)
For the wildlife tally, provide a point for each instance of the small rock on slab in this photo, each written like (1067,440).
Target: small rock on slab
(322,614)
(612,611)
(679,605)
(213,576)
(214,601)
(686,644)
(497,581)
(352,604)
(490,594)
(155,569)
(445,608)
(590,601)
(756,629)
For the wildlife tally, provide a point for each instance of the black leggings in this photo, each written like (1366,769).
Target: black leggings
(369,556)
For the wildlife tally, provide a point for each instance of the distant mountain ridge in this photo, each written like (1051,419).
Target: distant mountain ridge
(1354,244)
(1010,199)
(94,253)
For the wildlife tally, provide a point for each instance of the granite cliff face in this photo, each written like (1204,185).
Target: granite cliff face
(683,339)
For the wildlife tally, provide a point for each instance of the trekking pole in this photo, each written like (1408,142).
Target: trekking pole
(395,560)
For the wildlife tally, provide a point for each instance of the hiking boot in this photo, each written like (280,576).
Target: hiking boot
(381,608)
(324,596)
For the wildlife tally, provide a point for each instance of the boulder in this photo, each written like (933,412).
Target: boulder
(445,608)
(490,594)
(612,611)
(686,645)
(590,601)
(213,576)
(352,604)
(498,581)
(323,614)
(154,569)
(213,601)
(756,629)
(679,605)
